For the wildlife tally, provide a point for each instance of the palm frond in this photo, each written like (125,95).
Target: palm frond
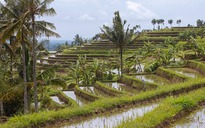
(47,74)
(58,82)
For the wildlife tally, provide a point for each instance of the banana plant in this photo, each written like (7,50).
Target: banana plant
(75,72)
(198,48)
(47,79)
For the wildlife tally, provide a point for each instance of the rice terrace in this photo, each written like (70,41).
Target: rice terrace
(125,76)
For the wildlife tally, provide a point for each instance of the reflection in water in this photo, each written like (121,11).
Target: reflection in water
(72,95)
(110,121)
(94,91)
(115,85)
(153,79)
(88,89)
(121,87)
(145,78)
(137,67)
(195,120)
(187,72)
(57,100)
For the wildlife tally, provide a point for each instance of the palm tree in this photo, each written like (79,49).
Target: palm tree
(154,21)
(23,24)
(158,22)
(162,22)
(179,22)
(78,40)
(170,22)
(15,24)
(119,35)
(39,8)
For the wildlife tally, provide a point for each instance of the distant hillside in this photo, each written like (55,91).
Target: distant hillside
(54,44)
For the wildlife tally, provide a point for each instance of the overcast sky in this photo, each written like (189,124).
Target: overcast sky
(85,17)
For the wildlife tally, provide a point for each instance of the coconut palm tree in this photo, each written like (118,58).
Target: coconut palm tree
(78,40)
(39,8)
(15,24)
(170,22)
(179,22)
(162,22)
(158,22)
(119,35)
(154,21)
(24,25)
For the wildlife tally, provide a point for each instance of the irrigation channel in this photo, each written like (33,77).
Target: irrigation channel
(187,72)
(195,120)
(108,120)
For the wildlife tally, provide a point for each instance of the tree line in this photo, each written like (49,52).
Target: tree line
(161,22)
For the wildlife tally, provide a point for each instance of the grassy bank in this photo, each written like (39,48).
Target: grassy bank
(41,118)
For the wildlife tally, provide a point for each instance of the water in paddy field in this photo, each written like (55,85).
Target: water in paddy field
(72,95)
(195,120)
(57,100)
(151,78)
(187,72)
(88,89)
(111,120)
(138,69)
(120,87)
(94,91)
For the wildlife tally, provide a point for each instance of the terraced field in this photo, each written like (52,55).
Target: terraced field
(138,100)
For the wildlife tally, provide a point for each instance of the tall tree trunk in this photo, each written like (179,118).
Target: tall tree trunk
(11,60)
(24,75)
(2,107)
(34,63)
(121,61)
(11,67)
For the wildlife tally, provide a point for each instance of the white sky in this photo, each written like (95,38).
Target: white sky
(85,17)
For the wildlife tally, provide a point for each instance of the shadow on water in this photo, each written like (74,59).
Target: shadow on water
(72,95)
(194,120)
(110,120)
(152,78)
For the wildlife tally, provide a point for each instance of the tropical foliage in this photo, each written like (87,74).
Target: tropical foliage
(120,35)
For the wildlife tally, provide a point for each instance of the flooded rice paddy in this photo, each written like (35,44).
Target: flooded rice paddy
(80,101)
(110,120)
(187,72)
(57,100)
(120,87)
(152,78)
(94,91)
